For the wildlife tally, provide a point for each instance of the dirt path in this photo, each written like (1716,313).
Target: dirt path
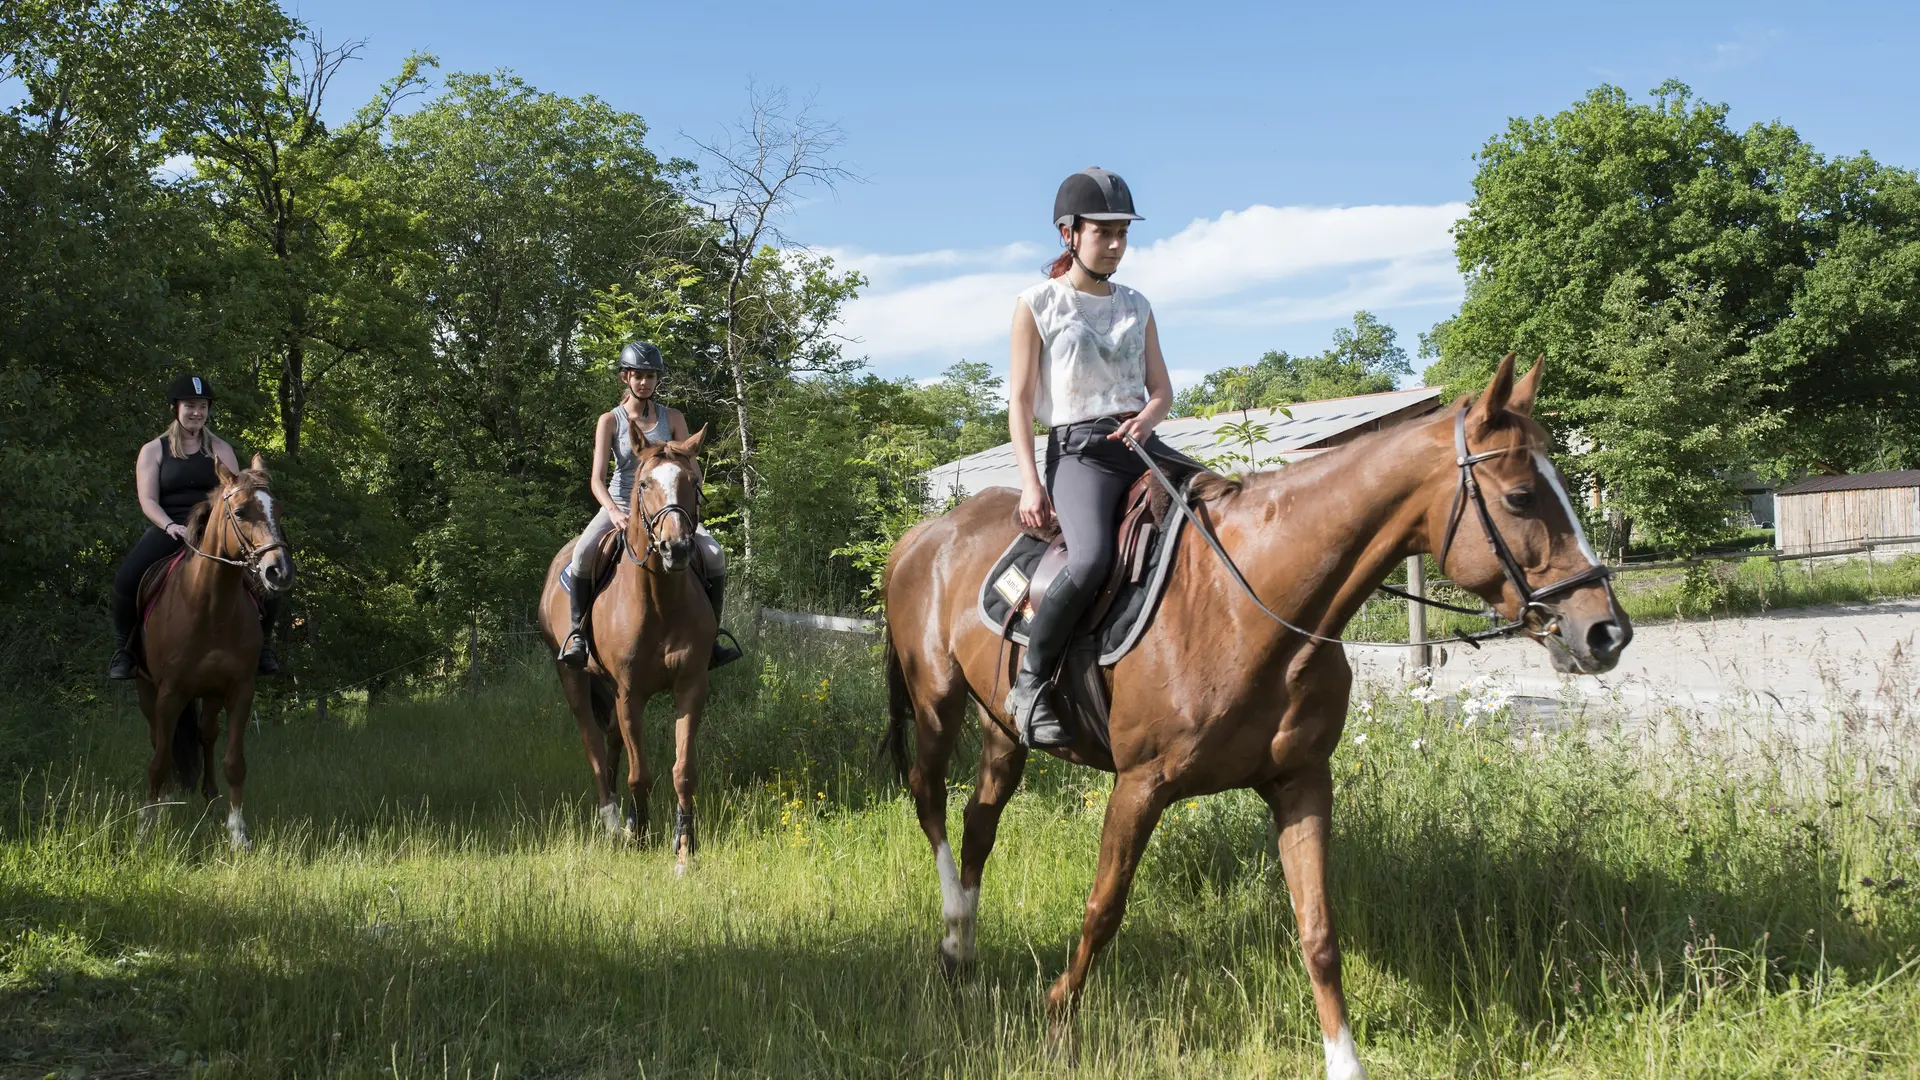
(1802,673)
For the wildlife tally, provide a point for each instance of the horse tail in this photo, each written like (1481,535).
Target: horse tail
(899,711)
(186,748)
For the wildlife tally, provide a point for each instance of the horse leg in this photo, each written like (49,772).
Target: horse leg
(1002,762)
(1302,806)
(631,709)
(163,715)
(937,725)
(209,734)
(239,705)
(689,702)
(577,687)
(1133,811)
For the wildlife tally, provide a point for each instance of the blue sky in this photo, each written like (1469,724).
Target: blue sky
(1293,161)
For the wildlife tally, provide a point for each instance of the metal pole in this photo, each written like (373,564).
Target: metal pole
(1417,613)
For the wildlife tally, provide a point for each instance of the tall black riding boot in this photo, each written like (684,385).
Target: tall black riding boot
(269,615)
(723,652)
(1047,637)
(573,651)
(124,617)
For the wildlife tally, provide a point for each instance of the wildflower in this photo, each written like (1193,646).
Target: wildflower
(1360,739)
(1420,744)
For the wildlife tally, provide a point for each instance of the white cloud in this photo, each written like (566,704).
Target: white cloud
(1263,266)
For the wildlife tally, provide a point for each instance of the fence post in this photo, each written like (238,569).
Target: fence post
(1417,613)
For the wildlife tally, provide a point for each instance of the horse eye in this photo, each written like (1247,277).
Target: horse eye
(1519,500)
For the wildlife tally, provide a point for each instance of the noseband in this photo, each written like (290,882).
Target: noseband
(1536,617)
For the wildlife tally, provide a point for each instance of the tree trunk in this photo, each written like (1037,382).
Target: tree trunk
(747,485)
(293,393)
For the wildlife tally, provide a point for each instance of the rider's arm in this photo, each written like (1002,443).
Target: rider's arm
(1023,383)
(602,450)
(146,483)
(677,425)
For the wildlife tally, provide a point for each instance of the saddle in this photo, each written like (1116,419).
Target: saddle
(1120,613)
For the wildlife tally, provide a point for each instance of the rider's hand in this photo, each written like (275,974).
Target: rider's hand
(177,531)
(1139,428)
(619,519)
(1036,510)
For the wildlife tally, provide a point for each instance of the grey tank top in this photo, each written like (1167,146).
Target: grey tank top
(625,460)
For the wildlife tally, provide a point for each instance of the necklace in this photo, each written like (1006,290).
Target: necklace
(1113,309)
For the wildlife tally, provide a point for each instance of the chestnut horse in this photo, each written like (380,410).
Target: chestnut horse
(1219,694)
(650,630)
(202,639)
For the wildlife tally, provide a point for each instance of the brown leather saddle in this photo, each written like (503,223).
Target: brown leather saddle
(1119,614)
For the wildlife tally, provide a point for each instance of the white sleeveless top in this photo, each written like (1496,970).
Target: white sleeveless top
(1093,351)
(626,460)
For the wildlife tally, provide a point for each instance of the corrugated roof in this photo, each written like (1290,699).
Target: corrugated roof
(1896,478)
(1288,438)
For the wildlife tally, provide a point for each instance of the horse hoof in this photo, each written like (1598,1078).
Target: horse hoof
(682,867)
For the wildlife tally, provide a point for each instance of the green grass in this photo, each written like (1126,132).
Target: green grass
(429,898)
(1716,590)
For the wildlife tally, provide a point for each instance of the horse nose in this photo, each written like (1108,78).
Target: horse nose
(1606,639)
(279,575)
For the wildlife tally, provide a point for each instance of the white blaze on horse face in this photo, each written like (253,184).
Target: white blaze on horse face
(667,475)
(266,508)
(1547,470)
(958,906)
(1343,1058)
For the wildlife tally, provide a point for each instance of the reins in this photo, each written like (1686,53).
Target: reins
(1467,489)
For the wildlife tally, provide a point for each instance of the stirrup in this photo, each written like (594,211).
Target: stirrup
(268,664)
(723,655)
(123,666)
(573,651)
(1034,719)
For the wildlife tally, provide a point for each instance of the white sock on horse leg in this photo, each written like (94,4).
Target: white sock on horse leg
(1343,1058)
(958,906)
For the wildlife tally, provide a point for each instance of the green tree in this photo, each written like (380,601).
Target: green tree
(1812,264)
(1365,358)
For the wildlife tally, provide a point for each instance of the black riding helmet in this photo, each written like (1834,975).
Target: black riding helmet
(641,356)
(1093,194)
(188,386)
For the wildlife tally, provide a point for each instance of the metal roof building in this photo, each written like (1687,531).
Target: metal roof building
(1313,427)
(1824,513)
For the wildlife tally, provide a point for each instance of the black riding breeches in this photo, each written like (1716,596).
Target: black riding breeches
(1088,476)
(152,547)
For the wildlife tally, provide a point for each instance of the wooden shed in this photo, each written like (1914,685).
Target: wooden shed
(1823,513)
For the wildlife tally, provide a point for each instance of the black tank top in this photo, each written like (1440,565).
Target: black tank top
(184,482)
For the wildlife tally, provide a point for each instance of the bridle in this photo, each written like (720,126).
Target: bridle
(1536,618)
(250,555)
(652,523)
(1466,490)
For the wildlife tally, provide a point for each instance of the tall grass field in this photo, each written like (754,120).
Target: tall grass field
(430,896)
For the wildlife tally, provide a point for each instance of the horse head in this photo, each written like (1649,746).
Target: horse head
(665,506)
(1503,526)
(240,522)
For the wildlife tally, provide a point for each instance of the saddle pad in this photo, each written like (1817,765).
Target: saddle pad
(1128,617)
(154,582)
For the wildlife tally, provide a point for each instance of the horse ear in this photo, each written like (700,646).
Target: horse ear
(259,466)
(690,445)
(1527,388)
(638,436)
(223,474)
(1499,391)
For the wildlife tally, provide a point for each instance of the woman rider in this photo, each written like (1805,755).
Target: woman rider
(172,475)
(1086,364)
(641,368)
